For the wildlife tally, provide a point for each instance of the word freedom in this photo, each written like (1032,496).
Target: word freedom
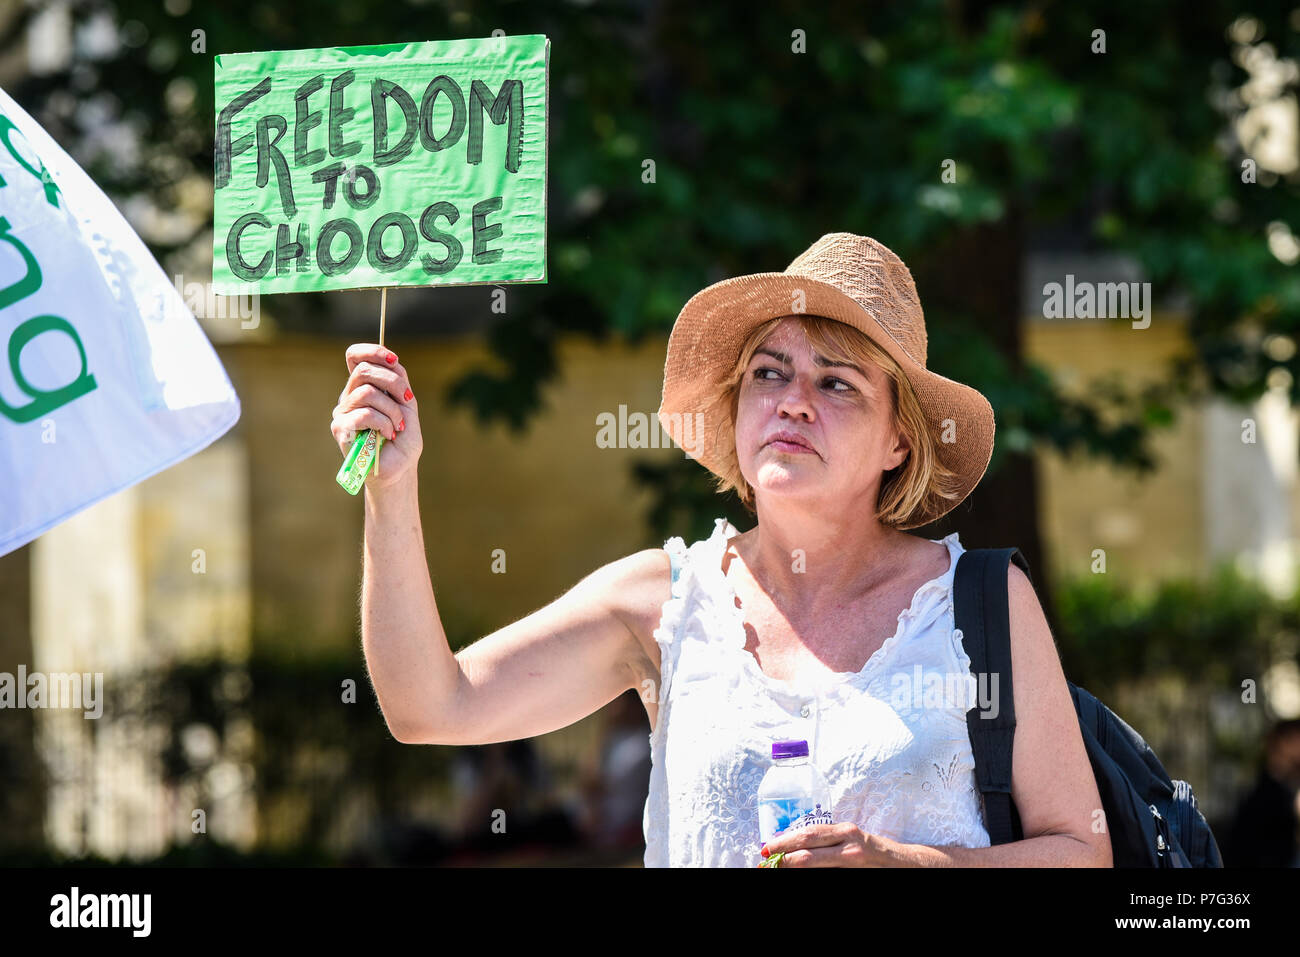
(56,690)
(297,250)
(641,431)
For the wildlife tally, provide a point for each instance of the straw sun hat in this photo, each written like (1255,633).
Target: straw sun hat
(842,276)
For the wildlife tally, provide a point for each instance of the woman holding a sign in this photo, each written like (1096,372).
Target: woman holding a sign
(805,391)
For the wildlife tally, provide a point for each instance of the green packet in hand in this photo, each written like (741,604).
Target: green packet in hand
(772,861)
(361,457)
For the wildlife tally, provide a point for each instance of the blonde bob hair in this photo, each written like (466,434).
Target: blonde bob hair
(905,488)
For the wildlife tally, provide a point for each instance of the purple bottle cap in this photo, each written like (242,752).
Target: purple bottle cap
(789,749)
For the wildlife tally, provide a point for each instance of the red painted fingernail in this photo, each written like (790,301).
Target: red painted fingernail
(401,425)
(390,358)
(409,395)
(766,852)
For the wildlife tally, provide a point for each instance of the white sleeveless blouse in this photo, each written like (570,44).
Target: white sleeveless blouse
(896,755)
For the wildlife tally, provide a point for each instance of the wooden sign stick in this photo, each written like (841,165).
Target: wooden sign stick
(383,307)
(367,445)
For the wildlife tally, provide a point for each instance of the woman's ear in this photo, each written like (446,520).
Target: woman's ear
(902,448)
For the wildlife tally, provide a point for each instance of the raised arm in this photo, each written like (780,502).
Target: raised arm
(541,673)
(564,661)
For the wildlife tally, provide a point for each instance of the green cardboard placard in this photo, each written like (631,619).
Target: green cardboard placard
(407,164)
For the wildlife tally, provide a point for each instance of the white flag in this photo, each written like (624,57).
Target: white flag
(106,378)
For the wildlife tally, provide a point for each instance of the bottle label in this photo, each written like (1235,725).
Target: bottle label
(786,814)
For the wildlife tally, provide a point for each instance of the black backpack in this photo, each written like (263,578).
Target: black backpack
(1152,821)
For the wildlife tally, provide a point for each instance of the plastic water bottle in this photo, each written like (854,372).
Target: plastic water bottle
(793,793)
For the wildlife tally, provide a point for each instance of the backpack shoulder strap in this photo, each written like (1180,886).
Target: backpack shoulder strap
(983,619)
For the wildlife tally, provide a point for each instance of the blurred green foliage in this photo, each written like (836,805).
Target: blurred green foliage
(1216,634)
(311,748)
(1184,663)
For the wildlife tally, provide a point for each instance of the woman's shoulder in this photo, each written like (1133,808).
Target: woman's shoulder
(640,581)
(680,552)
(640,584)
(928,557)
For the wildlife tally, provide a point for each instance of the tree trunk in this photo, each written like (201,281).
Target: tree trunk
(976,273)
